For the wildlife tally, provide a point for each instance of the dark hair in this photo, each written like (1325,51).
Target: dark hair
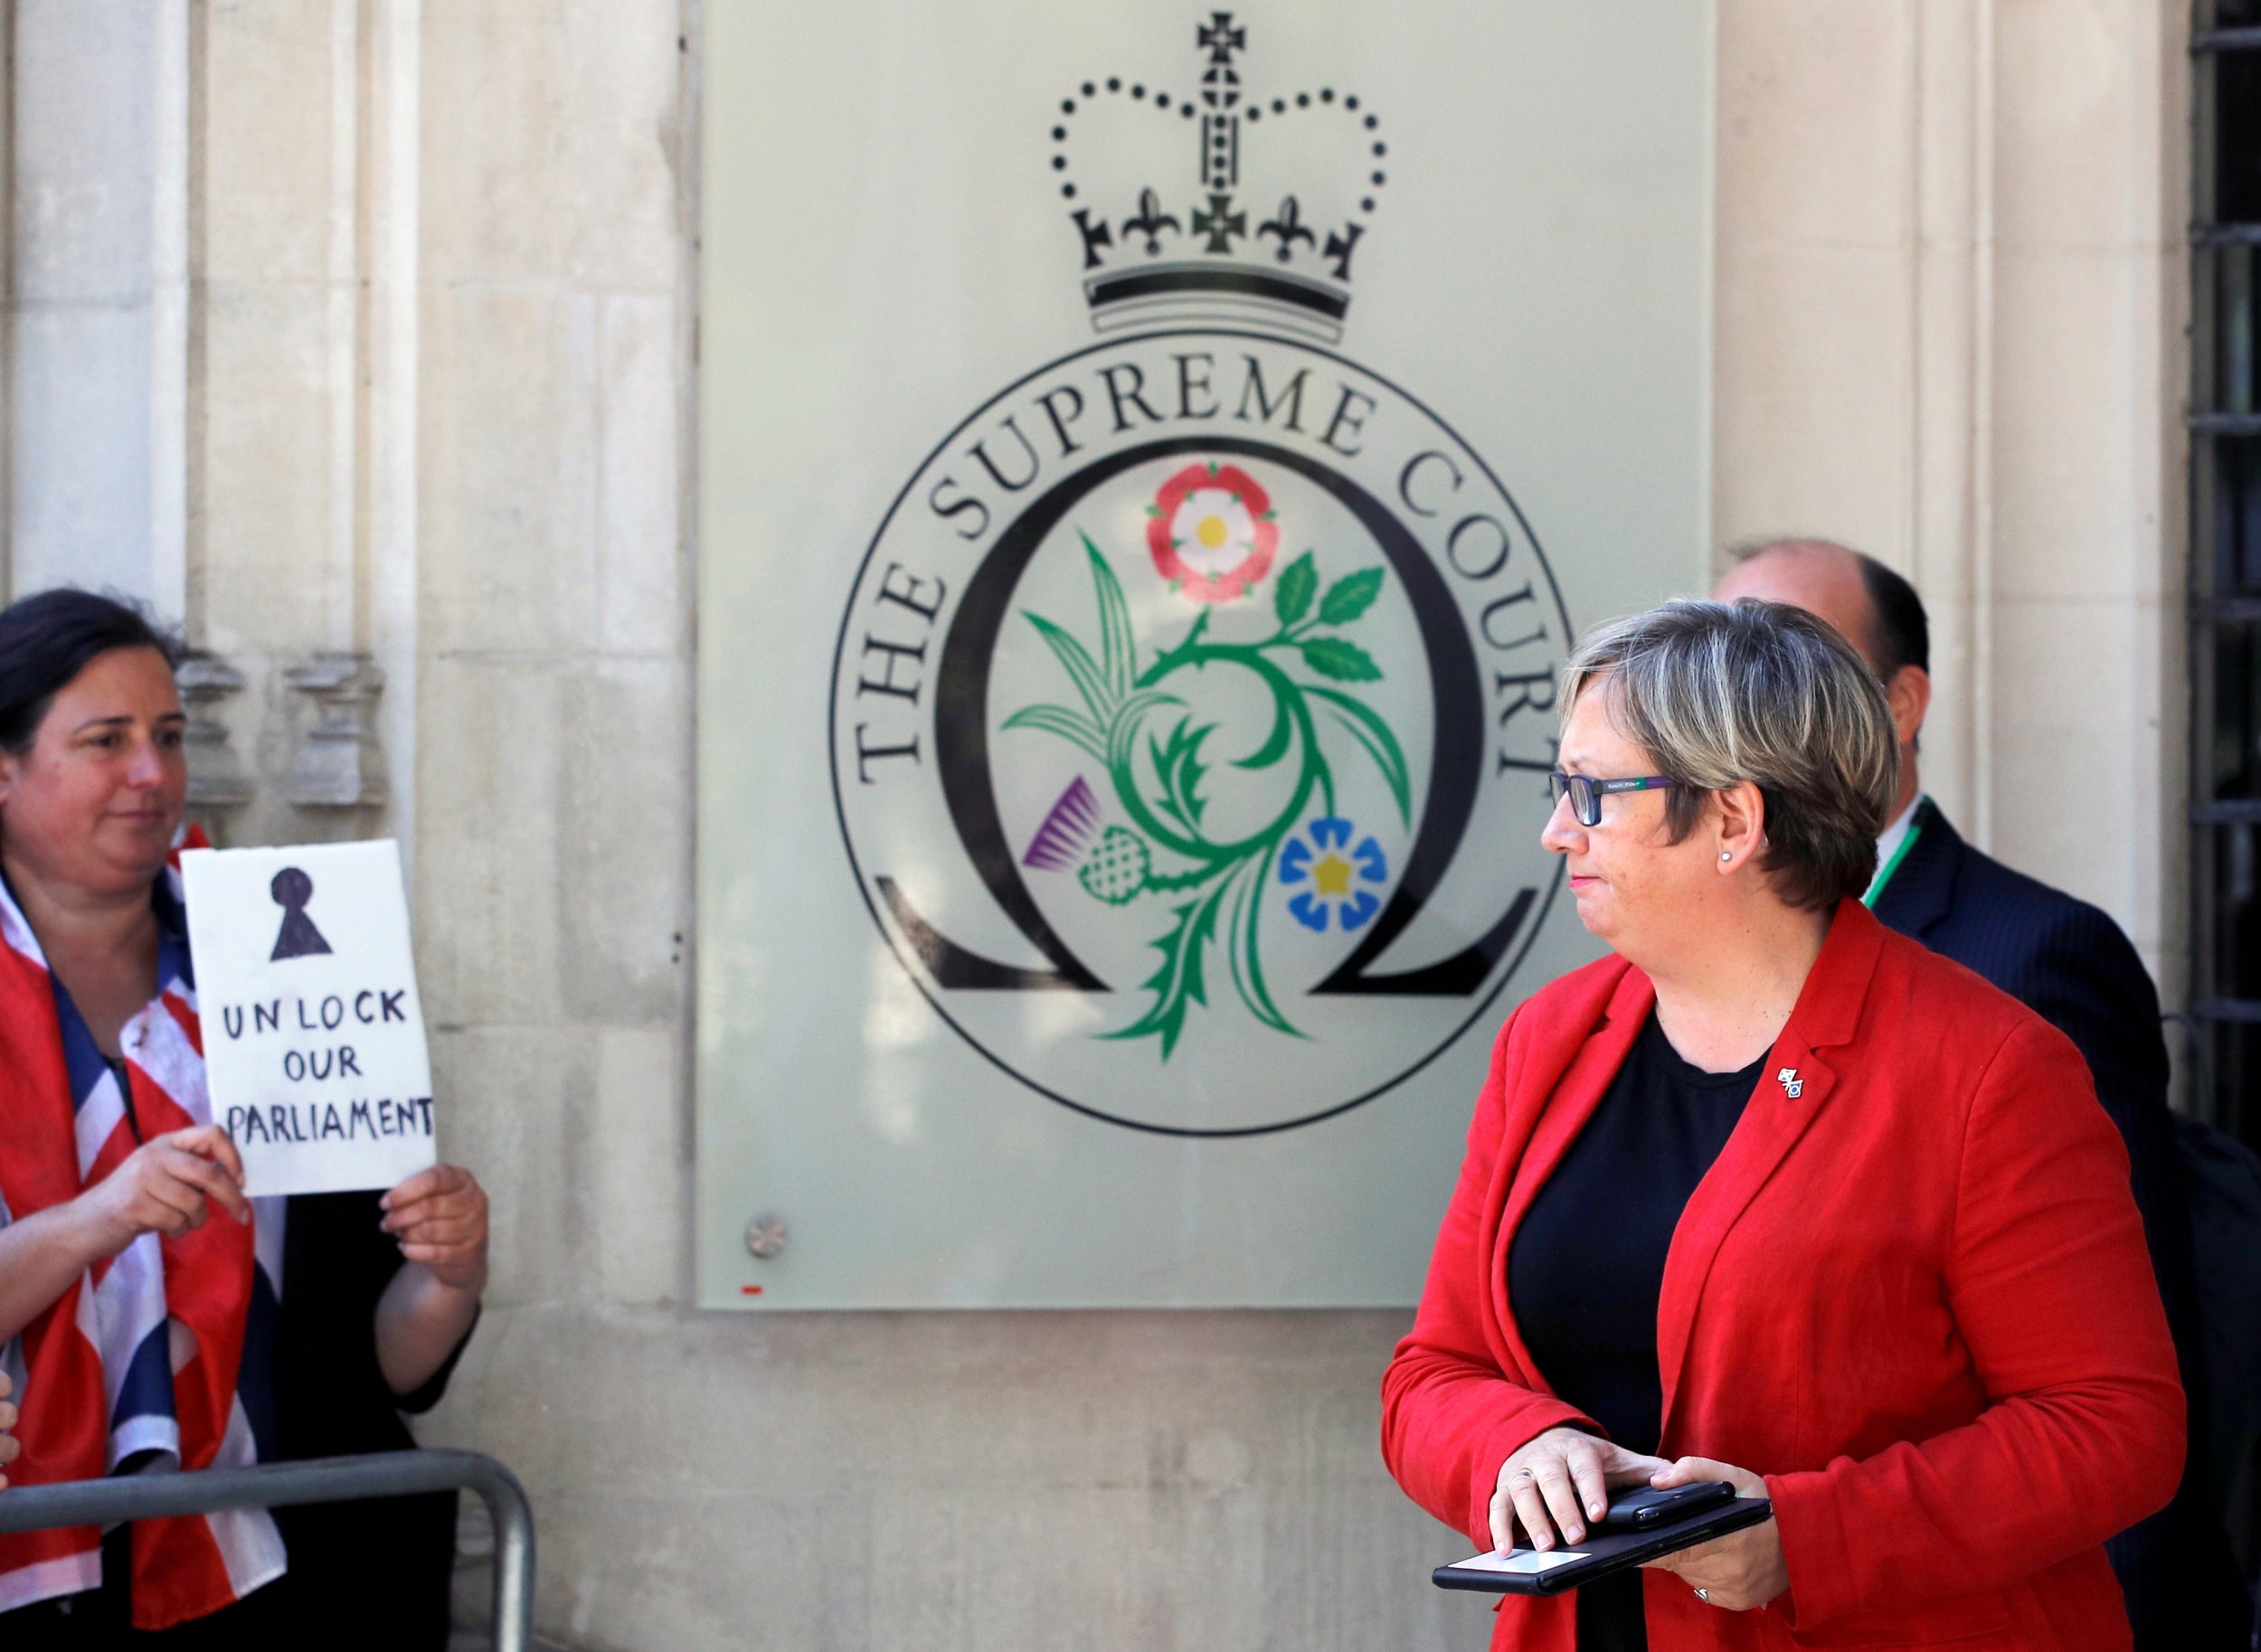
(1717,695)
(47,638)
(1901,635)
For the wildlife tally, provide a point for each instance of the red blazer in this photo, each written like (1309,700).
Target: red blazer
(1913,1295)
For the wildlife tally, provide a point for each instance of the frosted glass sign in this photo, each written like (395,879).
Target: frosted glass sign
(1121,790)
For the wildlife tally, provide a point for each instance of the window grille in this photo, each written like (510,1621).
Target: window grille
(2225,611)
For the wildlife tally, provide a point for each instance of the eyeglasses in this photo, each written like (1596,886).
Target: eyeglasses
(1586,794)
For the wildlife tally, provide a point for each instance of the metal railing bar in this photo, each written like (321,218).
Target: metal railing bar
(2227,811)
(2226,40)
(326,1480)
(2226,234)
(2226,610)
(2226,424)
(2227,1009)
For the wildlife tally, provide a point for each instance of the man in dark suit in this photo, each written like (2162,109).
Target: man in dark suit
(2071,963)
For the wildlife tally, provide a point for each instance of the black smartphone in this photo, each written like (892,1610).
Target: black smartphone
(1646,1509)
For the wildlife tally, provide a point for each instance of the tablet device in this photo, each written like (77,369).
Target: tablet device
(1527,1571)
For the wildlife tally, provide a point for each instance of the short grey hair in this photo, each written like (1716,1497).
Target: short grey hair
(1719,693)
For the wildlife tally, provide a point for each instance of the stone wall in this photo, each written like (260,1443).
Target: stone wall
(1952,290)
(393,301)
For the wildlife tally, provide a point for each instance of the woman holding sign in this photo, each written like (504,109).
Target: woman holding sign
(153,1316)
(1775,1196)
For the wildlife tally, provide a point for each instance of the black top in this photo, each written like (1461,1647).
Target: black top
(2072,965)
(1587,1266)
(374,1574)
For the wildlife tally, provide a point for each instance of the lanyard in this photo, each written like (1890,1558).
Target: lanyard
(1885,871)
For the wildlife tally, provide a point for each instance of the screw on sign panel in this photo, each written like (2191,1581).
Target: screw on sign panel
(767,1236)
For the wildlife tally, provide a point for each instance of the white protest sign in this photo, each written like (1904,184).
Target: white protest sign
(314,1039)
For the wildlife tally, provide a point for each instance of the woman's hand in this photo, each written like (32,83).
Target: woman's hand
(167,1185)
(440,1217)
(1736,1572)
(1562,1480)
(9,1444)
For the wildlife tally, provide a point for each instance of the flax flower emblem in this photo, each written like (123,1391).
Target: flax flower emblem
(1320,859)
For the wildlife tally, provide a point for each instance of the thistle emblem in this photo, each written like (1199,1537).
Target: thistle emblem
(1212,537)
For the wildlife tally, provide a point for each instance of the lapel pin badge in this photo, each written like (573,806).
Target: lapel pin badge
(1793,1085)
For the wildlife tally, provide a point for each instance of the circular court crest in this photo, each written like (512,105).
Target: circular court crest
(1189,723)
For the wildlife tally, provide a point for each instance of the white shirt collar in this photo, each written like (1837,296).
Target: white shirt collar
(1888,843)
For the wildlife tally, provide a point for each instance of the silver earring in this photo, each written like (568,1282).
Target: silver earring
(1726,854)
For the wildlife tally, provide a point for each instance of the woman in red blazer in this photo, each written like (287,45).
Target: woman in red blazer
(1896,1280)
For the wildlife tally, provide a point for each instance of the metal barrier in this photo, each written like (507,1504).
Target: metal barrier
(322,1480)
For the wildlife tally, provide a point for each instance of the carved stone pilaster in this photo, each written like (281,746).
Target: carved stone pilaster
(338,764)
(216,781)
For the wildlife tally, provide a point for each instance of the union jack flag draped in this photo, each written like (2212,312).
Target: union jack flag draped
(161,1357)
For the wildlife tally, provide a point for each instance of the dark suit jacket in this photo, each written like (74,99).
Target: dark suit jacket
(2070,962)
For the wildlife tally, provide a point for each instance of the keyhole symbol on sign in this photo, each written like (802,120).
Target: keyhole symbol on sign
(292,889)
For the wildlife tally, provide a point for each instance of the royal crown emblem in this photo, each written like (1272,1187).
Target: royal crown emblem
(1220,205)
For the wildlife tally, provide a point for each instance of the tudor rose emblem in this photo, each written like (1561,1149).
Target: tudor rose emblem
(1192,708)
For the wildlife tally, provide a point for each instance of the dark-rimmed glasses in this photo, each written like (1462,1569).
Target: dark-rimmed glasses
(1586,793)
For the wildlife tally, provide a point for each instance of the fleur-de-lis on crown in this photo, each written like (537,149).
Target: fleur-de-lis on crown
(1150,222)
(1286,227)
